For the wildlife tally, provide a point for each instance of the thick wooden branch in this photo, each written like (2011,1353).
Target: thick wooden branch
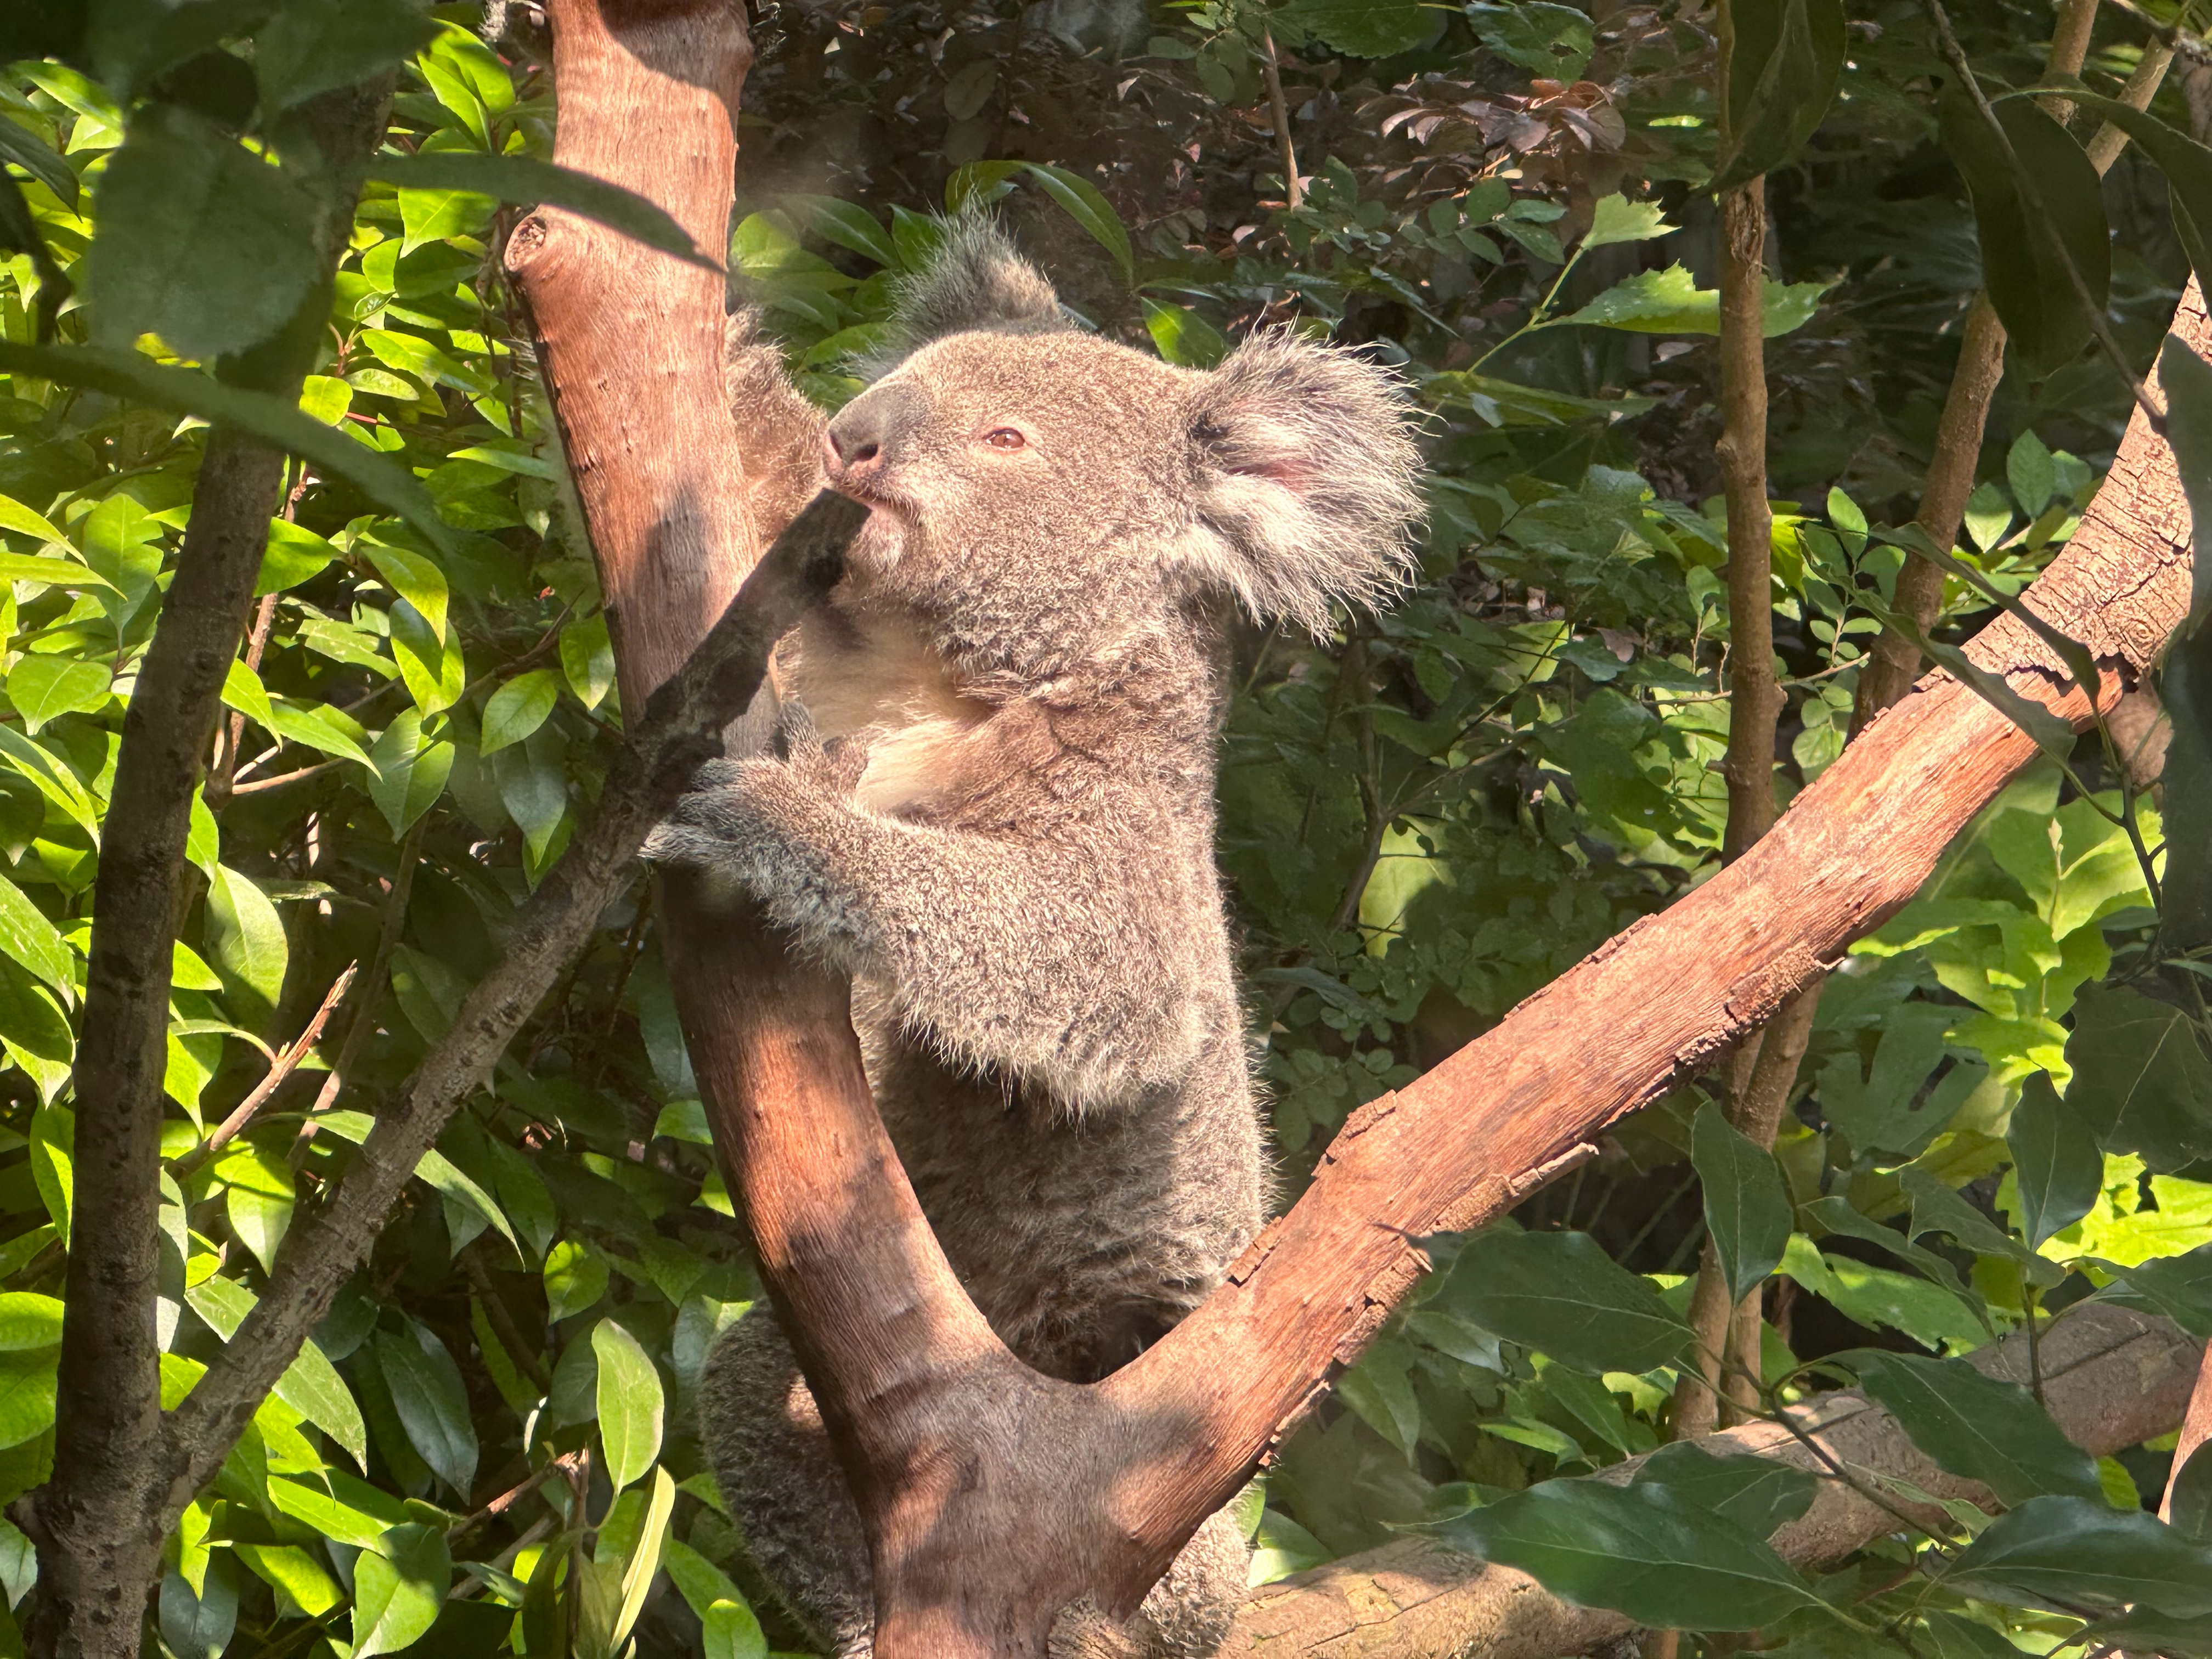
(993,1496)
(2111,1378)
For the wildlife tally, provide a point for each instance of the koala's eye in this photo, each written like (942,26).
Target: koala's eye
(1005,438)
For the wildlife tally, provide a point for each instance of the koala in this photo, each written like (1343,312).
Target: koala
(996,814)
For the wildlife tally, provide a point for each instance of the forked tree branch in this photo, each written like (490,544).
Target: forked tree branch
(993,1496)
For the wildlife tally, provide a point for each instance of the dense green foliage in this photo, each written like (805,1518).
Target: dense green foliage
(1423,820)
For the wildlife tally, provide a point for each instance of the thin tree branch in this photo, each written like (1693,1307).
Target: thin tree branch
(98,1521)
(1293,190)
(679,727)
(287,1061)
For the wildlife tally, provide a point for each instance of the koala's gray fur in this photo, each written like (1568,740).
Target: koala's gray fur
(997,814)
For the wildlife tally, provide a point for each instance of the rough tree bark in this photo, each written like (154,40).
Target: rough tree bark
(993,1496)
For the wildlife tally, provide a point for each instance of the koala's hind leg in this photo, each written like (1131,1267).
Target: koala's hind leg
(1187,1616)
(772,1458)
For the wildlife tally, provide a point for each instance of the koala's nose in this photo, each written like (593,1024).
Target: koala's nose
(860,439)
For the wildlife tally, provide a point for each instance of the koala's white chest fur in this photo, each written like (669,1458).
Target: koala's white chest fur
(867,672)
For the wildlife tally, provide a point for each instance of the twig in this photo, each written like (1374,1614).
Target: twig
(287,1061)
(1293,191)
(260,786)
(371,995)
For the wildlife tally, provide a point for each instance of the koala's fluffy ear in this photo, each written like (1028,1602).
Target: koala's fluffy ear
(1305,480)
(974,280)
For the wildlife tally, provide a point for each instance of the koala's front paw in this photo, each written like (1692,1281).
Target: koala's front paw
(743,817)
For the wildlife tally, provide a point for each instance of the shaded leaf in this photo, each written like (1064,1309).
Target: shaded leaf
(1977,1426)
(2066,1553)
(1747,1207)
(1561,1294)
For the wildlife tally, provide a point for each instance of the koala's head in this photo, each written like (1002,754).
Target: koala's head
(1042,494)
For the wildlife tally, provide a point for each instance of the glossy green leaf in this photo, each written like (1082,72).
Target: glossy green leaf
(644,1557)
(432,1404)
(399,1588)
(27,1393)
(629,1403)
(1976,1427)
(31,941)
(1669,301)
(126,374)
(411,773)
(44,688)
(1757,1493)
(733,1632)
(248,940)
(1638,1549)
(2188,1496)
(1550,40)
(2021,270)
(2080,1553)
(525,181)
(1562,1295)
(576,1277)
(200,240)
(315,46)
(2054,1159)
(587,660)
(2142,1082)
(292,1569)
(440,1172)
(519,709)
(1083,202)
(1782,73)
(28,1319)
(1747,1208)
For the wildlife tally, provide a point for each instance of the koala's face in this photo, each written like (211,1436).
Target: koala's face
(1054,463)
(1042,493)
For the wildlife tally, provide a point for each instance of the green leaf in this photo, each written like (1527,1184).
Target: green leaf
(2186,380)
(413,579)
(1933,1315)
(311,1385)
(1638,1549)
(2021,270)
(411,773)
(314,729)
(587,660)
(24,150)
(14,515)
(128,375)
(2069,1553)
(201,242)
(360,1516)
(1551,40)
(28,1320)
(851,226)
(440,1172)
(1363,29)
(518,709)
(46,688)
(398,1588)
(1977,1426)
(1508,403)
(434,669)
(53,573)
(1781,72)
(31,941)
(1748,1207)
(576,1279)
(2030,473)
(1083,202)
(699,1581)
(2053,735)
(1617,219)
(644,1559)
(2178,1286)
(1561,1294)
(292,1569)
(1669,301)
(733,1632)
(318,46)
(1757,1493)
(1183,336)
(2141,1081)
(260,1199)
(2187,166)
(2188,1496)
(629,1403)
(249,944)
(53,1142)
(432,1404)
(26,1394)
(2058,1171)
(242,690)
(525,181)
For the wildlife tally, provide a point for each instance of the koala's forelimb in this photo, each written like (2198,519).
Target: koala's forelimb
(1013,981)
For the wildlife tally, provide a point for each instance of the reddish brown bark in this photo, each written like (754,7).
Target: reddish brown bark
(993,1496)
